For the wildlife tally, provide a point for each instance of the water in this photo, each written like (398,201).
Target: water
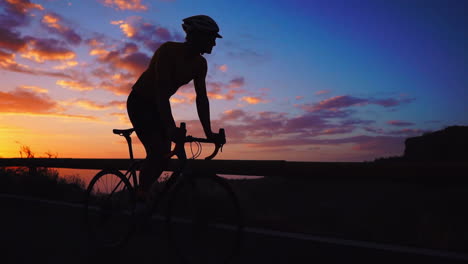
(87,175)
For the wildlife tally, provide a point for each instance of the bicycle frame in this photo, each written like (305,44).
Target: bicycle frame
(178,151)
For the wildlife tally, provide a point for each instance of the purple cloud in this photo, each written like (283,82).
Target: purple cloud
(236,82)
(401,132)
(391,101)
(10,40)
(56,24)
(16,12)
(8,63)
(399,123)
(344,101)
(248,55)
(126,58)
(151,36)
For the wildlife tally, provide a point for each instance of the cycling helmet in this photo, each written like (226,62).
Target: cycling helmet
(201,23)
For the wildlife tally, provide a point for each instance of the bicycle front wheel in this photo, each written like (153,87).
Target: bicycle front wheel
(204,220)
(109,209)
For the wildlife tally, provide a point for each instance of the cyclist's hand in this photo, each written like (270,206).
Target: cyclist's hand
(217,138)
(176,134)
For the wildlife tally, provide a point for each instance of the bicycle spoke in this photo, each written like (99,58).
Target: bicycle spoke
(109,209)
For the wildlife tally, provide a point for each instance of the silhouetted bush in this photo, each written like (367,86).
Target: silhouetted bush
(41,182)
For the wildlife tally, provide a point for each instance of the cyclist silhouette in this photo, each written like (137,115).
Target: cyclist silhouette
(172,65)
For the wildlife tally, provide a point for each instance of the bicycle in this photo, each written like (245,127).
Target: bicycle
(199,206)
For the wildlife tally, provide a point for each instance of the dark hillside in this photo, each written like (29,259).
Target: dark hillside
(449,144)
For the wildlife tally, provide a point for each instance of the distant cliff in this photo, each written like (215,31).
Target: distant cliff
(449,144)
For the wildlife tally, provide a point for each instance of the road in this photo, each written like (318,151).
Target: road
(41,231)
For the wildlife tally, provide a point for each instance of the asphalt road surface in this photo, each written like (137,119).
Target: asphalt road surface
(39,231)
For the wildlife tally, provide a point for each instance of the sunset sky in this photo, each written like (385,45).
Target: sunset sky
(290,80)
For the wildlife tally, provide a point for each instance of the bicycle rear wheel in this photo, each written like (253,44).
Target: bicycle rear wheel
(204,220)
(109,209)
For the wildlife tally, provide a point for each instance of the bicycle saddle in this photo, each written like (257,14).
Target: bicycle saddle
(123,132)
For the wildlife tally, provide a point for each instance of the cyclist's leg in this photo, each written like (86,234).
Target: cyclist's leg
(145,119)
(155,163)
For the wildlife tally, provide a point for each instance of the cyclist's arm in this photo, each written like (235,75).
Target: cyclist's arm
(203,106)
(162,74)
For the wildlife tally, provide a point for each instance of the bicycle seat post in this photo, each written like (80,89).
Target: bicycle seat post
(129,142)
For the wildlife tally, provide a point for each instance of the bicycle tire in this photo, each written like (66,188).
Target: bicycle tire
(109,209)
(204,220)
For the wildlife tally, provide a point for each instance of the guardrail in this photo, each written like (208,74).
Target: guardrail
(272,168)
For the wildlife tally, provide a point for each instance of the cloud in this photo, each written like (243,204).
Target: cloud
(379,145)
(225,91)
(306,122)
(16,12)
(66,65)
(389,102)
(177,100)
(75,85)
(338,130)
(34,88)
(223,68)
(236,83)
(91,105)
(119,67)
(408,132)
(21,100)
(151,36)
(35,49)
(299,97)
(40,50)
(272,128)
(321,92)
(95,42)
(117,88)
(27,101)
(337,102)
(54,23)
(233,114)
(117,83)
(126,58)
(136,62)
(101,52)
(215,90)
(128,30)
(400,132)
(22,6)
(133,5)
(399,123)
(253,100)
(123,118)
(269,130)
(8,62)
(247,55)
(10,40)
(344,101)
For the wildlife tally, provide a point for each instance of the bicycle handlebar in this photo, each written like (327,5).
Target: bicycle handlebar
(179,147)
